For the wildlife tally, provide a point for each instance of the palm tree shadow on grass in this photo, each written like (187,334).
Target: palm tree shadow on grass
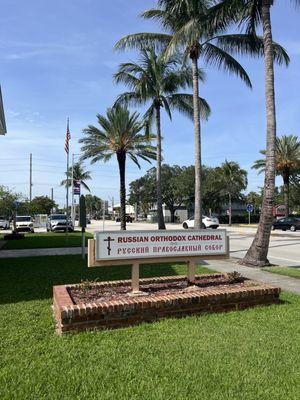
(27,279)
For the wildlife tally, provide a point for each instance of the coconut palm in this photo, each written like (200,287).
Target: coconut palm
(79,174)
(253,14)
(156,82)
(287,163)
(119,134)
(192,27)
(233,179)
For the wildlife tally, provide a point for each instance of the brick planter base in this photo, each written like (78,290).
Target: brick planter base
(135,310)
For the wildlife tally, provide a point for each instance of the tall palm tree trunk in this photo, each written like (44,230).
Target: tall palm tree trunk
(197,133)
(258,252)
(160,215)
(286,192)
(122,163)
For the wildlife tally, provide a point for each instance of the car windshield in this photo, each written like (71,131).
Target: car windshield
(58,217)
(23,219)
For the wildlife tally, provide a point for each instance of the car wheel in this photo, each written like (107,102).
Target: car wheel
(293,228)
(185,226)
(203,226)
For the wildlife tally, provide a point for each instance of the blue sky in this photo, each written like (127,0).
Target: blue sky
(57,60)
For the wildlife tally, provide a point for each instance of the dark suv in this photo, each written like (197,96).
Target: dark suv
(291,223)
(128,219)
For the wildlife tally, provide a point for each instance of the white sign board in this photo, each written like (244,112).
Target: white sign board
(159,244)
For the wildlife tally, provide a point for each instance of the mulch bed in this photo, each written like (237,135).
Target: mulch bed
(87,292)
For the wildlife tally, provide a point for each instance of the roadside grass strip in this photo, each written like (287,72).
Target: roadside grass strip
(293,272)
(249,355)
(46,240)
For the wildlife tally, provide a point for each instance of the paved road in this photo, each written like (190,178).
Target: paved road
(284,246)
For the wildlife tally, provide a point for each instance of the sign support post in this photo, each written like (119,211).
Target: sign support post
(135,277)
(191,273)
(82,224)
(250,210)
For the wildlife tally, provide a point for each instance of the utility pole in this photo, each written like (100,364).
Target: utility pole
(52,197)
(30,177)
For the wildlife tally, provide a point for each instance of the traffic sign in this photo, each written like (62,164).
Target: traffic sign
(250,208)
(76,187)
(17,203)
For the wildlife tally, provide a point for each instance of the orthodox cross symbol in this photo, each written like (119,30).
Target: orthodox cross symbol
(109,240)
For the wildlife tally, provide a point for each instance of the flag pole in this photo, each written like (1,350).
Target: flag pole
(72,193)
(67,193)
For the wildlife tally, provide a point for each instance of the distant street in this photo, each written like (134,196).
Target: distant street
(284,247)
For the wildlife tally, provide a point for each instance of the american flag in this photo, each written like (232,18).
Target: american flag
(68,137)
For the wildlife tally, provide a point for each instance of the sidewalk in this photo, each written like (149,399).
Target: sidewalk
(224,266)
(59,251)
(285,282)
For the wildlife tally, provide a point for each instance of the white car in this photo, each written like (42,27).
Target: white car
(24,223)
(58,222)
(207,222)
(4,223)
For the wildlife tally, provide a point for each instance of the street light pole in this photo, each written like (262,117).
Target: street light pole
(30,177)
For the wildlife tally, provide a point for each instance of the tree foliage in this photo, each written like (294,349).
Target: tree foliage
(79,174)
(178,188)
(120,134)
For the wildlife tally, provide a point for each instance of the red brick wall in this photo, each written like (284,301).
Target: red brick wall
(135,310)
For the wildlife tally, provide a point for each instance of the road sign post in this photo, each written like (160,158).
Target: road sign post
(82,223)
(250,210)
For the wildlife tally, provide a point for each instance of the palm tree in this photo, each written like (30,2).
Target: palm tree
(119,135)
(192,26)
(233,179)
(252,14)
(287,163)
(156,82)
(79,174)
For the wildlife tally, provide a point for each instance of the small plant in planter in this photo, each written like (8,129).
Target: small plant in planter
(235,277)
(86,285)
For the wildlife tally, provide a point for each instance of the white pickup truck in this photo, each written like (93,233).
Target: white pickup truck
(4,223)
(24,223)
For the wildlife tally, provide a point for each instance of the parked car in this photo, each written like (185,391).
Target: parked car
(128,219)
(207,222)
(4,223)
(291,223)
(58,222)
(24,223)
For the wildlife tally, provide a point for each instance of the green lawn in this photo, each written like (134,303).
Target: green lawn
(46,240)
(288,271)
(254,354)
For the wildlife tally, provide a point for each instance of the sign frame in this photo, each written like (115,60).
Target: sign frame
(136,262)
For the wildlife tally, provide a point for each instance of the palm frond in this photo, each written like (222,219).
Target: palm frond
(219,58)
(142,40)
(252,45)
(184,103)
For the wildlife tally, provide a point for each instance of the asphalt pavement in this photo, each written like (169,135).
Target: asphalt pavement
(284,246)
